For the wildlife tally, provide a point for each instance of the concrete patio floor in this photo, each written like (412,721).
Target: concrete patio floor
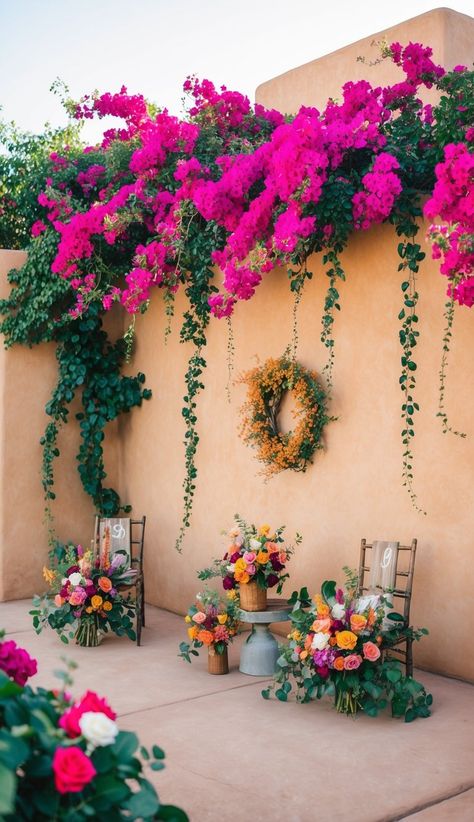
(233,757)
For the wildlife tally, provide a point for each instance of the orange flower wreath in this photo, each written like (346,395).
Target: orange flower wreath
(267,385)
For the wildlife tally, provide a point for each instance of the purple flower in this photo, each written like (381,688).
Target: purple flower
(272,580)
(235,556)
(228,583)
(16,662)
(340,596)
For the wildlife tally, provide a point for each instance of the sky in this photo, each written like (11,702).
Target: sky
(151,46)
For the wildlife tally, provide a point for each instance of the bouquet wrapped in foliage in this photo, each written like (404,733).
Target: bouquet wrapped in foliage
(212,621)
(62,759)
(336,647)
(86,597)
(255,556)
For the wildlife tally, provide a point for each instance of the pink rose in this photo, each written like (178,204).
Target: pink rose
(72,769)
(371,651)
(199,617)
(249,556)
(352,662)
(78,597)
(251,570)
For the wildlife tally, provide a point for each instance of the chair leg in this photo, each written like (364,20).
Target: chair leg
(143,603)
(409,664)
(138,617)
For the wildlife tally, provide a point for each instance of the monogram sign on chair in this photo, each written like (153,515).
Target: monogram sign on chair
(119,534)
(384,566)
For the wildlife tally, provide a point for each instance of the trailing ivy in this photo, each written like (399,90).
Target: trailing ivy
(447,335)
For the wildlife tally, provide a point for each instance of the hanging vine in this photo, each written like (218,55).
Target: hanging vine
(447,335)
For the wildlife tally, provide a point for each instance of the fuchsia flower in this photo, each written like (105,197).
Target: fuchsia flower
(16,662)
(89,702)
(72,769)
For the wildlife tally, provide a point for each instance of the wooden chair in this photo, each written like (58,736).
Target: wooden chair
(401,590)
(129,535)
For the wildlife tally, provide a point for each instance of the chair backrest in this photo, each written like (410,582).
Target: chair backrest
(388,566)
(124,534)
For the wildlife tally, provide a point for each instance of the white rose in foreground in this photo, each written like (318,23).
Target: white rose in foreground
(231,568)
(98,728)
(338,611)
(255,544)
(320,641)
(75,578)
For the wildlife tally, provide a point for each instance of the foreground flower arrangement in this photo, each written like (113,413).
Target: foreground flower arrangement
(87,595)
(254,561)
(67,759)
(213,621)
(337,647)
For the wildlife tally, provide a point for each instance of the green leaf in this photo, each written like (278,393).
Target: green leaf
(172,814)
(328,591)
(144,803)
(7,790)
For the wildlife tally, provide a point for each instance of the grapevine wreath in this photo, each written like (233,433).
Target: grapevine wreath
(267,385)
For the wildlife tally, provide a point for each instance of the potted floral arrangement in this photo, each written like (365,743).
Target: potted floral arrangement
(254,562)
(66,759)
(88,596)
(212,621)
(337,648)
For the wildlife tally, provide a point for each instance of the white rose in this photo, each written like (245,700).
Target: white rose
(75,578)
(338,611)
(255,544)
(320,641)
(98,728)
(231,568)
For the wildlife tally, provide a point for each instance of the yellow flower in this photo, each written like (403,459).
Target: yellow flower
(264,530)
(262,557)
(240,565)
(88,609)
(193,632)
(222,619)
(304,654)
(96,602)
(187,618)
(346,640)
(107,606)
(48,575)
(232,594)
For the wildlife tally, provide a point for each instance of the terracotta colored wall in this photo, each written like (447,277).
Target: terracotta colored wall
(354,487)
(27,377)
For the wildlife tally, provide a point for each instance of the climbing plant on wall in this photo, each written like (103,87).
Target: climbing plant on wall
(163,201)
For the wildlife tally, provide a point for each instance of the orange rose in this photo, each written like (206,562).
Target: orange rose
(104,584)
(358,622)
(207,637)
(346,640)
(338,663)
(96,602)
(241,576)
(323,625)
(107,606)
(371,618)
(262,557)
(271,547)
(304,654)
(333,640)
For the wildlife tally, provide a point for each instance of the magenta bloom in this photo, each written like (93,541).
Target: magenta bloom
(16,662)
(228,583)
(72,770)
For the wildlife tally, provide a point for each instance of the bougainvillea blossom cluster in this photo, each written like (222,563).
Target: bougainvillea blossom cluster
(264,184)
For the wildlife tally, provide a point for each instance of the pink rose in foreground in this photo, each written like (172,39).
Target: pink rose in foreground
(352,662)
(249,556)
(370,651)
(251,570)
(78,597)
(72,769)
(199,617)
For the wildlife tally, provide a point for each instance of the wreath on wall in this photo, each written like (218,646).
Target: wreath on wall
(267,384)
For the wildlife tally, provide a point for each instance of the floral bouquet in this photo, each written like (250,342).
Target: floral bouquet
(254,561)
(213,621)
(66,759)
(86,598)
(336,647)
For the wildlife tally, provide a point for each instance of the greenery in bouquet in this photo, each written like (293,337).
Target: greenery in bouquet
(66,759)
(254,555)
(212,621)
(88,595)
(337,647)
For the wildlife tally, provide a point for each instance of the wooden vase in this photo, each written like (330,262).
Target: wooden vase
(252,597)
(217,663)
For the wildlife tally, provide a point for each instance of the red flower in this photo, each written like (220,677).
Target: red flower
(89,702)
(72,769)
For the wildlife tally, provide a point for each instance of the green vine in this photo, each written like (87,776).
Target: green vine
(447,335)
(411,255)
(335,272)
(230,356)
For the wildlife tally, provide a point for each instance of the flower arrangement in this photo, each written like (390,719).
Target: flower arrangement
(62,758)
(86,597)
(337,647)
(212,621)
(254,555)
(267,385)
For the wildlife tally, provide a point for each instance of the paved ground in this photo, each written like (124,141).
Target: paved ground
(232,757)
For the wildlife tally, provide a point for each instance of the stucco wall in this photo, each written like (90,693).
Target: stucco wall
(353,490)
